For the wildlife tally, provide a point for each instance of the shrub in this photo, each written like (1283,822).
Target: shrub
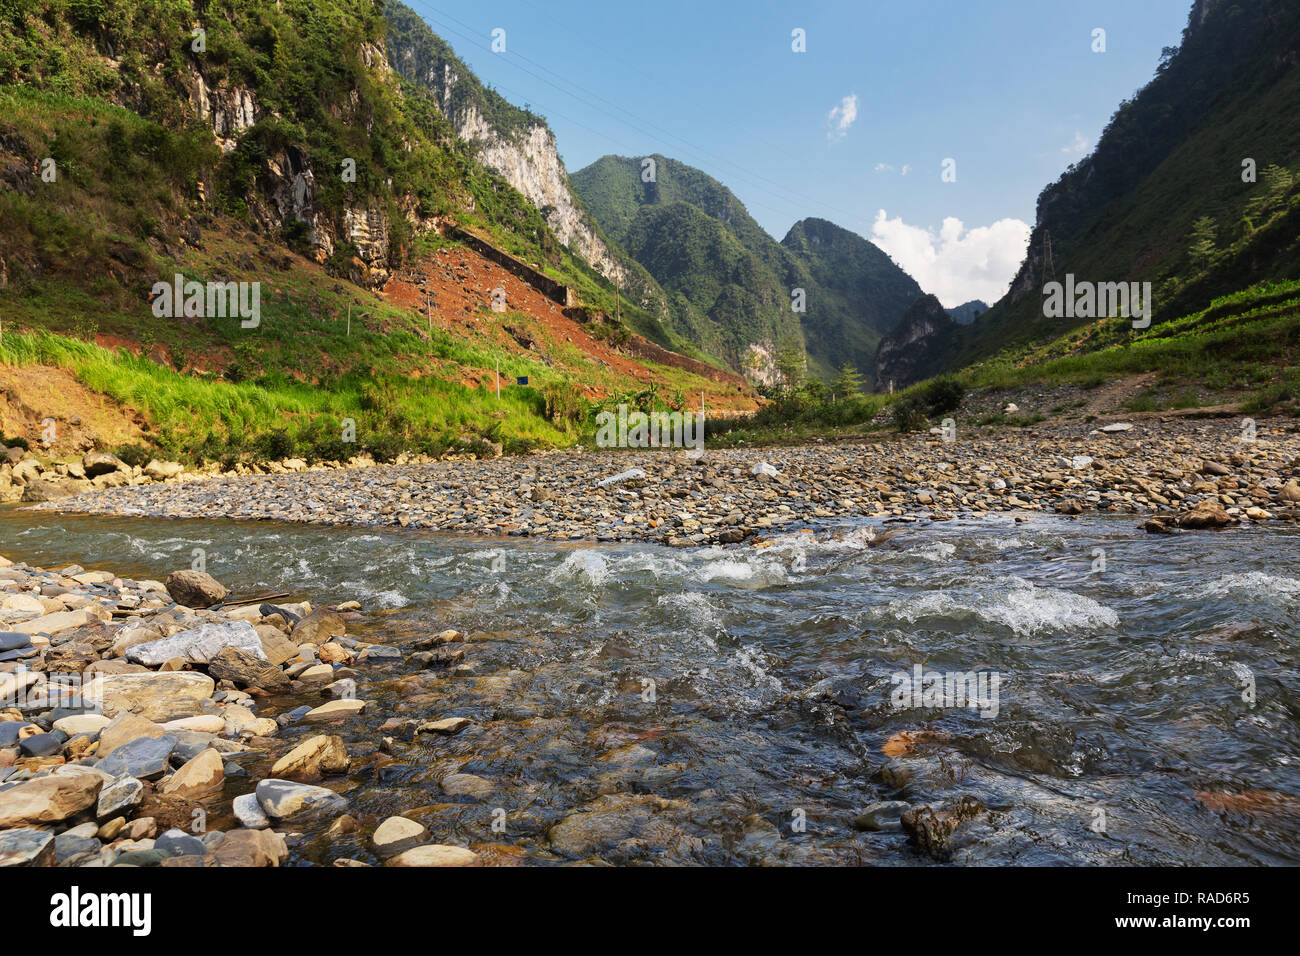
(134,456)
(275,445)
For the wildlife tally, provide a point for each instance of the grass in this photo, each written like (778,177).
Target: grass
(207,419)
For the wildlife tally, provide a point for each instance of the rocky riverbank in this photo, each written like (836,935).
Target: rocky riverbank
(1174,473)
(141,722)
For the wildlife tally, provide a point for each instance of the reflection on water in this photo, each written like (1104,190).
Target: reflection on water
(733,705)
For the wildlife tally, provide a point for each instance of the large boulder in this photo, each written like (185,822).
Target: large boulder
(98,463)
(199,645)
(195,588)
(162,470)
(247,670)
(48,799)
(1206,514)
(161,696)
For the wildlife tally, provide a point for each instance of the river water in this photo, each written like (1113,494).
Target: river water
(739,706)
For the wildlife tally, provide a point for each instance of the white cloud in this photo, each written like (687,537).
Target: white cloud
(906,169)
(956,264)
(841,117)
(884,168)
(1078,147)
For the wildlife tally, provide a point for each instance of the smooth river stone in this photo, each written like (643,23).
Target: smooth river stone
(12,641)
(286,800)
(144,758)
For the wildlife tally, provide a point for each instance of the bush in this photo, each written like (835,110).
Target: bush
(941,396)
(908,414)
(134,456)
(17,441)
(276,445)
(384,448)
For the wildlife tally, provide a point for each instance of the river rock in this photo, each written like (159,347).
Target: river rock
(286,800)
(247,670)
(144,758)
(435,854)
(161,471)
(81,724)
(313,759)
(886,815)
(119,796)
(41,745)
(26,847)
(1206,514)
(49,799)
(199,777)
(334,709)
(161,696)
(199,645)
(318,627)
(446,726)
(249,812)
(123,729)
(252,848)
(397,835)
(195,588)
(98,463)
(466,785)
(179,843)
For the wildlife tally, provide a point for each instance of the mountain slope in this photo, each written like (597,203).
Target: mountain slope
(1162,197)
(513,142)
(732,286)
(858,295)
(269,143)
(729,283)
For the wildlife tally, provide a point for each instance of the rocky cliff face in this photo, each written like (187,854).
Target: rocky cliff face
(514,143)
(289,183)
(917,347)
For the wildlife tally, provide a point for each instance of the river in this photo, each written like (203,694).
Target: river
(741,705)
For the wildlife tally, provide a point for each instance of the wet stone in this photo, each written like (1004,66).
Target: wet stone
(145,758)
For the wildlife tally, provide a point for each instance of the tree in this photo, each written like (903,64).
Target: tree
(792,365)
(1202,245)
(848,383)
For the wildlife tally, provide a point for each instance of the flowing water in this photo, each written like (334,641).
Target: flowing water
(739,705)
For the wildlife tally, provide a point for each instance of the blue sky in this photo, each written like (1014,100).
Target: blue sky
(1009,89)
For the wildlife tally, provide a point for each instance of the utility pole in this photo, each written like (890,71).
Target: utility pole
(498,378)
(618,307)
(349,320)
(429,311)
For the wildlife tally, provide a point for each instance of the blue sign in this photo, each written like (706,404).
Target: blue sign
(522,380)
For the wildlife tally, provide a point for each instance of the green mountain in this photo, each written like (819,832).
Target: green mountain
(968,312)
(733,289)
(728,282)
(858,294)
(1194,185)
(271,143)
